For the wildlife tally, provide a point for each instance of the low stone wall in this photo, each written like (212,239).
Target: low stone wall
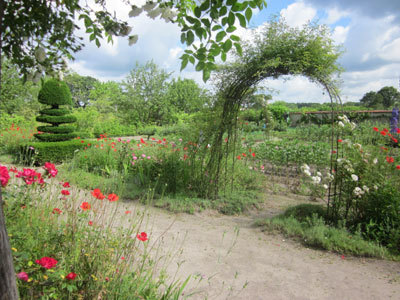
(321,117)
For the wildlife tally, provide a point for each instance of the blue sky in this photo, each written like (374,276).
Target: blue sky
(368,30)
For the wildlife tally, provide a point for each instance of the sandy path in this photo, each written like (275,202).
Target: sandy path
(227,253)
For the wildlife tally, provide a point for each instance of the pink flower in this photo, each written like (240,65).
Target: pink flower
(144,155)
(51,169)
(46,262)
(23,276)
(4,176)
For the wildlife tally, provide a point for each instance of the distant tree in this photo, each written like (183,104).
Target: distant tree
(15,96)
(372,99)
(106,96)
(146,90)
(256,101)
(80,87)
(186,95)
(390,96)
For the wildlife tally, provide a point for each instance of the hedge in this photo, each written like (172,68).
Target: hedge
(56,129)
(56,119)
(55,92)
(51,137)
(54,152)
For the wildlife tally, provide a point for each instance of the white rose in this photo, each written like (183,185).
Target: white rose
(340,123)
(375,161)
(354,177)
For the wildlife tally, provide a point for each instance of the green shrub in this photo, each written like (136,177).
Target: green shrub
(55,93)
(54,152)
(58,129)
(303,211)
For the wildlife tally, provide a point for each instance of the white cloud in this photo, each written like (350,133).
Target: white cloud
(339,34)
(298,14)
(334,15)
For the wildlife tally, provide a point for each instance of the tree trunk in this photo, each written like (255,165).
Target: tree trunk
(8,287)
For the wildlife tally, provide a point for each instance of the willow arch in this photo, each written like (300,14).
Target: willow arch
(277,50)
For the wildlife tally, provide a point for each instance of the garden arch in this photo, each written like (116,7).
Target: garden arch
(275,51)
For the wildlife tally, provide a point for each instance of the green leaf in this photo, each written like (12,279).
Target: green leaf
(220,36)
(184,63)
(223,56)
(206,22)
(223,11)
(235,38)
(249,14)
(238,7)
(231,19)
(197,12)
(200,66)
(189,37)
(224,21)
(238,48)
(97,43)
(231,29)
(191,59)
(231,2)
(183,38)
(216,27)
(205,5)
(227,45)
(242,20)
(215,51)
(191,19)
(88,22)
(206,75)
(199,32)
(92,37)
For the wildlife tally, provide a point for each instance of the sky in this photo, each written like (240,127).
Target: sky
(368,31)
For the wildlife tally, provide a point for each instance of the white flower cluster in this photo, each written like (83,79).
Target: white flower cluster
(345,121)
(346,164)
(360,191)
(318,178)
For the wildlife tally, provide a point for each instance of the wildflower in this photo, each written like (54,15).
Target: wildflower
(354,177)
(325,186)
(376,129)
(47,262)
(71,276)
(144,155)
(50,169)
(112,197)
(398,130)
(365,188)
(66,184)
(383,133)
(340,140)
(253,154)
(90,223)
(148,157)
(65,192)
(142,141)
(23,276)
(85,206)
(134,158)
(97,194)
(4,176)
(142,236)
(239,157)
(398,167)
(127,212)
(389,159)
(122,257)
(56,211)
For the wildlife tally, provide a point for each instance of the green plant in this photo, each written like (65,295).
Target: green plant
(55,93)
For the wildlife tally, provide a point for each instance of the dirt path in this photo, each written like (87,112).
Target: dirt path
(228,258)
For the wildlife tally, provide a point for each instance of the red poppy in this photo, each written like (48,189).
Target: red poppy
(340,140)
(239,157)
(57,211)
(46,262)
(376,129)
(398,130)
(66,184)
(385,130)
(122,257)
(98,194)
(333,151)
(142,236)
(142,141)
(398,167)
(394,140)
(112,197)
(383,133)
(244,154)
(85,206)
(389,159)
(71,276)
(127,212)
(253,154)
(65,192)
(90,223)
(82,142)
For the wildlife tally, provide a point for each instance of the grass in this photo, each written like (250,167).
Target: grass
(305,223)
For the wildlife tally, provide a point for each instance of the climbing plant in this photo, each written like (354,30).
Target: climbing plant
(277,50)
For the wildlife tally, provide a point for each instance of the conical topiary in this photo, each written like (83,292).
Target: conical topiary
(55,93)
